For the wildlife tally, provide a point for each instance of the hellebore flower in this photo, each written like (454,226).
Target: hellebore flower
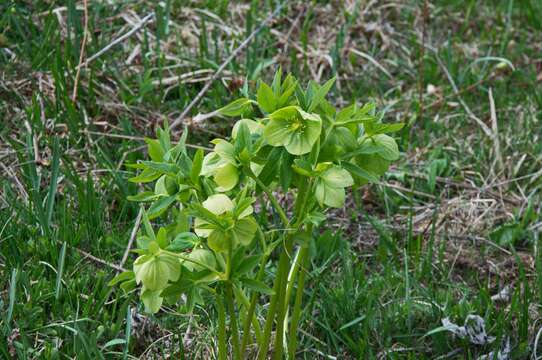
(330,185)
(240,230)
(294,129)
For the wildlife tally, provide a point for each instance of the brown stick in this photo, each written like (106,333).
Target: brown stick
(215,76)
(82,52)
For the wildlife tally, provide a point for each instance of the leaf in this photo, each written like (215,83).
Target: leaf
(183,241)
(320,94)
(237,107)
(161,167)
(197,164)
(218,204)
(266,98)
(145,176)
(257,286)
(155,150)
(159,206)
(359,172)
(247,264)
(122,277)
(143,196)
(114,342)
(269,171)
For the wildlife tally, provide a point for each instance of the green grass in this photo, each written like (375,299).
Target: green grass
(406,253)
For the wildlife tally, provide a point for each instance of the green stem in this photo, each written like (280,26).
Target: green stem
(296,314)
(282,268)
(252,307)
(281,303)
(222,345)
(233,322)
(272,197)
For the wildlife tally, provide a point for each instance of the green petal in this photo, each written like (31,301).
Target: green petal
(211,162)
(200,229)
(388,147)
(157,271)
(330,196)
(302,140)
(226,177)
(218,204)
(218,241)
(152,300)
(277,132)
(203,256)
(225,150)
(245,229)
(254,127)
(337,177)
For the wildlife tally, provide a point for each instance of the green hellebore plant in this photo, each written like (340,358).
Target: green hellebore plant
(288,140)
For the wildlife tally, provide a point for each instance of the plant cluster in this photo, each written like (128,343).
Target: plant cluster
(221,225)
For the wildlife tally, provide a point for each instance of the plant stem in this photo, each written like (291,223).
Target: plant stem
(296,314)
(282,268)
(252,306)
(281,303)
(222,345)
(233,322)
(272,197)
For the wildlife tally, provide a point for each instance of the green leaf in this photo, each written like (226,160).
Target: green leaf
(359,172)
(143,196)
(122,277)
(266,98)
(257,286)
(237,107)
(161,238)
(197,164)
(162,167)
(320,94)
(269,171)
(145,176)
(247,264)
(159,206)
(155,150)
(183,241)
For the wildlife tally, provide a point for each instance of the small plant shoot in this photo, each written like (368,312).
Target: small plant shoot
(214,228)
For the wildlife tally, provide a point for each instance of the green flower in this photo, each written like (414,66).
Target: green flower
(156,270)
(221,164)
(239,230)
(330,185)
(294,129)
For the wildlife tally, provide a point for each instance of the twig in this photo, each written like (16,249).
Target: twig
(132,238)
(145,20)
(372,61)
(82,52)
(484,127)
(98,260)
(202,92)
(495,128)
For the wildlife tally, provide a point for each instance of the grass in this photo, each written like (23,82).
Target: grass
(454,223)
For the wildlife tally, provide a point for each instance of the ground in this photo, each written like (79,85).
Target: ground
(453,229)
